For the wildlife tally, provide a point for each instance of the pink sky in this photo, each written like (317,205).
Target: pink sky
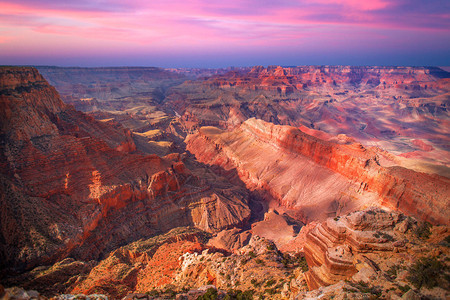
(222,33)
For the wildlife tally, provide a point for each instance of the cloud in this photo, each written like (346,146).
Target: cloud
(207,26)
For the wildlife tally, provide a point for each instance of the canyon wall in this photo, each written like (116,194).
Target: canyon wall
(71,185)
(288,163)
(390,107)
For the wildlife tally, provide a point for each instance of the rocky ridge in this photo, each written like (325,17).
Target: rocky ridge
(80,186)
(295,164)
(385,106)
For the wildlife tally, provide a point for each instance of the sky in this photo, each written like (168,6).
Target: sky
(210,33)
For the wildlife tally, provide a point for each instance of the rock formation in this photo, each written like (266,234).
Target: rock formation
(371,250)
(331,246)
(320,177)
(385,106)
(71,185)
(89,200)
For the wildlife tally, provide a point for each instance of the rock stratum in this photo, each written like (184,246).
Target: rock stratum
(299,183)
(395,108)
(317,177)
(74,186)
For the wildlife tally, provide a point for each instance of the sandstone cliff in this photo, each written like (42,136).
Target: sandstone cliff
(373,251)
(385,106)
(306,173)
(71,185)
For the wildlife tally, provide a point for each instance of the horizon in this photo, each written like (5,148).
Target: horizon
(211,34)
(227,67)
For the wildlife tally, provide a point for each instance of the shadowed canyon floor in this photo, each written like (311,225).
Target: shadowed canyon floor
(240,183)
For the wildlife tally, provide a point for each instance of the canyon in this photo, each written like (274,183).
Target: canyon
(277,182)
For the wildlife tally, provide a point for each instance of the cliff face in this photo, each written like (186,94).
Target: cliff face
(388,107)
(302,171)
(108,83)
(74,186)
(331,246)
(371,248)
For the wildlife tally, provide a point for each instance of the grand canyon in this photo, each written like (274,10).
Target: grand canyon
(306,182)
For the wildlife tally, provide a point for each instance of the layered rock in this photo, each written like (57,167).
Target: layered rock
(142,265)
(385,106)
(331,246)
(71,185)
(372,252)
(305,173)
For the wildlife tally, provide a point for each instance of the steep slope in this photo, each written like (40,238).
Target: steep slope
(377,253)
(318,177)
(74,186)
(390,107)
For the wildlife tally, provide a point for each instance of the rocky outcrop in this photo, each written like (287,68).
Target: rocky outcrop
(231,239)
(331,246)
(277,228)
(71,185)
(385,106)
(298,170)
(372,252)
(142,265)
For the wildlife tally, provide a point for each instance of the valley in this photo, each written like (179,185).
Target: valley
(259,182)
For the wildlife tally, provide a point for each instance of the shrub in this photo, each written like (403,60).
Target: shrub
(446,242)
(404,289)
(270,282)
(423,230)
(301,260)
(391,274)
(211,294)
(271,247)
(239,295)
(428,272)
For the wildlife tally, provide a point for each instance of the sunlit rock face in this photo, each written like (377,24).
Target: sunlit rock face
(272,168)
(318,177)
(391,107)
(71,185)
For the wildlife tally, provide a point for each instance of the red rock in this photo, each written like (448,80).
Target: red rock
(295,163)
(331,246)
(74,186)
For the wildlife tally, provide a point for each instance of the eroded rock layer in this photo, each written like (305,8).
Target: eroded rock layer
(395,108)
(331,246)
(317,176)
(71,185)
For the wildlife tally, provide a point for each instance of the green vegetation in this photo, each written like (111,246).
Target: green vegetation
(239,295)
(383,235)
(446,242)
(428,272)
(270,282)
(362,287)
(423,230)
(153,293)
(170,292)
(295,261)
(211,294)
(404,289)
(271,291)
(391,274)
(271,247)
